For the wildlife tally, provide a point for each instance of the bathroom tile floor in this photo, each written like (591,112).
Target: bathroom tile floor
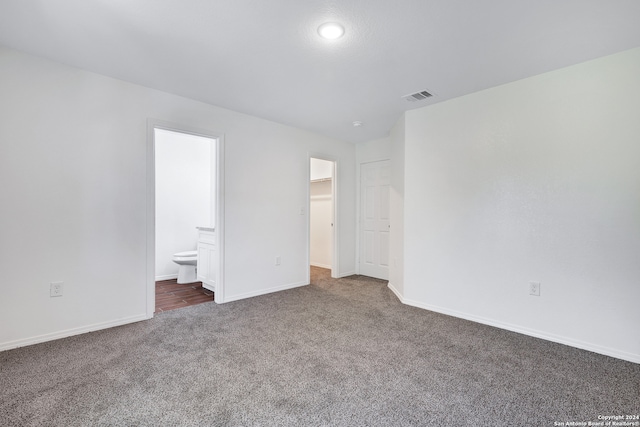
(171,295)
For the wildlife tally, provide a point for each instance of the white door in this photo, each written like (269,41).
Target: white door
(375,179)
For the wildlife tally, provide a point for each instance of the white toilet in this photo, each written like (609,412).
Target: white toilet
(187,262)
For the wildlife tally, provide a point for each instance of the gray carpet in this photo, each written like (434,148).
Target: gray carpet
(336,353)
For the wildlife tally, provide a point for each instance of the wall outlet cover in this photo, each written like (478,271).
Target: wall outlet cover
(534,288)
(56,289)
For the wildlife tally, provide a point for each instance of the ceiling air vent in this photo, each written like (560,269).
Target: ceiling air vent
(418,96)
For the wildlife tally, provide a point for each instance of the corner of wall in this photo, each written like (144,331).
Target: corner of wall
(532,180)
(396,214)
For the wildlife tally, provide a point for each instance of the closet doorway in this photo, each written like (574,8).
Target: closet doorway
(322,214)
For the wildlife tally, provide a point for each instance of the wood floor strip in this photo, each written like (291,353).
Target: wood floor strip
(171,295)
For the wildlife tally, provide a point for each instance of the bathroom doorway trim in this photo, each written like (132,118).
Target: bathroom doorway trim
(218,137)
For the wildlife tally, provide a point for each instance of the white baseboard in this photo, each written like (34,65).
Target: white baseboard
(348,273)
(166,277)
(263,292)
(618,354)
(70,332)
(315,264)
(396,292)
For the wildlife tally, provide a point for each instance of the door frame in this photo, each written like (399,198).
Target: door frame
(218,137)
(335,252)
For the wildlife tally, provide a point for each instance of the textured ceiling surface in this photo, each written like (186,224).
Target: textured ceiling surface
(265,58)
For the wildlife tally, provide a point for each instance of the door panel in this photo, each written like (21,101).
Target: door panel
(384,249)
(368,247)
(374,219)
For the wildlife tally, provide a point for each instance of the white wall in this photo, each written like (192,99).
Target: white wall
(373,151)
(73,183)
(396,208)
(320,219)
(537,180)
(184,168)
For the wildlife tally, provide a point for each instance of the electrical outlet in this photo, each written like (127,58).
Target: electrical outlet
(56,289)
(534,288)
(278,260)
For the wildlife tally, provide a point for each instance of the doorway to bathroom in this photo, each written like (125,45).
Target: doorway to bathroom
(322,215)
(184,198)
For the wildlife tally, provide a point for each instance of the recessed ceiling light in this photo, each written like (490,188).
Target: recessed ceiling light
(331,30)
(357,124)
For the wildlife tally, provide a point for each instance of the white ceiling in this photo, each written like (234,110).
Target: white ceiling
(264,57)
